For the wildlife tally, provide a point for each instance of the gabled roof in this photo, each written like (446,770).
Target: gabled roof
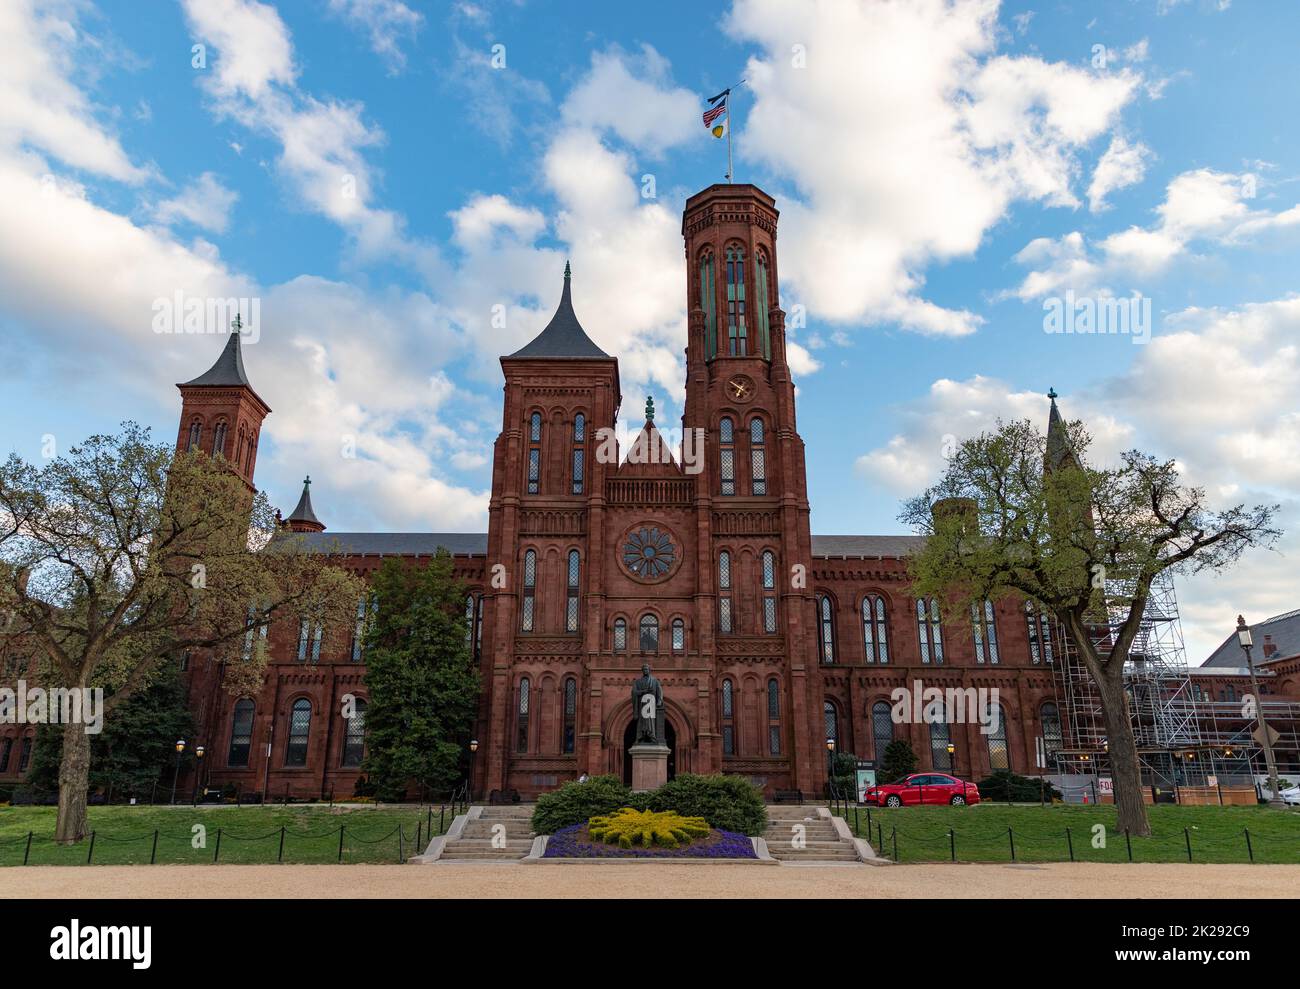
(563,337)
(1282,630)
(895,546)
(228,370)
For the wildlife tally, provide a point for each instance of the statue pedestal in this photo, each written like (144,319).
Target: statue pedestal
(649,766)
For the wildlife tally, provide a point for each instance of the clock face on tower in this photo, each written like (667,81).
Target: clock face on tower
(740,388)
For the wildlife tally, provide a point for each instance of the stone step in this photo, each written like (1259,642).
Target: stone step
(486,829)
(451,855)
(487,843)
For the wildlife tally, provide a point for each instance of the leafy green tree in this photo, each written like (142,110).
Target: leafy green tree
(421,678)
(1021,513)
(123,552)
(898,761)
(136,747)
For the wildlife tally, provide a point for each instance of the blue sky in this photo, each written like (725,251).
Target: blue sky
(380,175)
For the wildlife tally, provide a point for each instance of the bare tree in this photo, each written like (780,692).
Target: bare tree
(121,555)
(1017,512)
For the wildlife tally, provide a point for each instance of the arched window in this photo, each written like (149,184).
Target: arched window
(579,451)
(985,631)
(620,634)
(522,721)
(727,455)
(709,303)
(254,634)
(570,714)
(239,450)
(354,735)
(762,302)
(571,606)
(999,757)
(875,635)
(25,753)
(196,434)
(773,717)
(535,453)
(736,342)
(366,606)
(530,590)
(6,749)
(1040,634)
(728,718)
(929,630)
(241,734)
(679,635)
(649,633)
(470,608)
(940,737)
(309,637)
(757,457)
(250,453)
(219,439)
(882,728)
(295,750)
(825,629)
(1050,718)
(769,591)
(724,591)
(831,724)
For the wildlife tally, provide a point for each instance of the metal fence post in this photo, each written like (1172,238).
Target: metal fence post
(1012,839)
(341,827)
(91,852)
(1069,841)
(1249,851)
(280,857)
(895,836)
(1187,836)
(216,854)
(1129,842)
(952,843)
(153,854)
(27,853)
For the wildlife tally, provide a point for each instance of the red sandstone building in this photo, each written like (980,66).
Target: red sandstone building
(770,641)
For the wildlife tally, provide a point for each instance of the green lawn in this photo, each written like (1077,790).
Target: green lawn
(1217,834)
(249,835)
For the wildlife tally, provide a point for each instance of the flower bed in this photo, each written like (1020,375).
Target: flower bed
(576,841)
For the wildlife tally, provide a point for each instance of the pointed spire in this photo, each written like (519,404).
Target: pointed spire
(303,518)
(564,335)
(649,410)
(1058,438)
(229,367)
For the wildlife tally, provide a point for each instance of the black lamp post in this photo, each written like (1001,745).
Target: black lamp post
(830,763)
(1246,641)
(176,773)
(952,758)
(473,749)
(198,772)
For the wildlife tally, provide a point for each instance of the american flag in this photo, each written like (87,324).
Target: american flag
(717,110)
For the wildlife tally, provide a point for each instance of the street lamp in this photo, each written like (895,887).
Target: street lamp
(473,748)
(198,772)
(952,758)
(1246,641)
(176,773)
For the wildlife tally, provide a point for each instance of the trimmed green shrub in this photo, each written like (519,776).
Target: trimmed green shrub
(897,762)
(730,803)
(1005,785)
(577,803)
(647,828)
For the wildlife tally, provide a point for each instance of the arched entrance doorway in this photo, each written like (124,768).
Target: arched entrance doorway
(629,737)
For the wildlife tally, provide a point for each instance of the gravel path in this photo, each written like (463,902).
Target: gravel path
(654,881)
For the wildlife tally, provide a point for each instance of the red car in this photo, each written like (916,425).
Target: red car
(924,788)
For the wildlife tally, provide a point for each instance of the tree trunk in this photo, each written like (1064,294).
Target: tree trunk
(1125,770)
(74,784)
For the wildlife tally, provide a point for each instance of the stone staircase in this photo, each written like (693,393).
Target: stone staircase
(818,842)
(493,834)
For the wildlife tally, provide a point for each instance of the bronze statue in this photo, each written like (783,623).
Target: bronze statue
(648,708)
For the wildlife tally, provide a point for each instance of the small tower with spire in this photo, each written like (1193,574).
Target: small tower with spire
(303,518)
(221,414)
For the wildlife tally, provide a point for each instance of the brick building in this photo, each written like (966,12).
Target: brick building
(769,640)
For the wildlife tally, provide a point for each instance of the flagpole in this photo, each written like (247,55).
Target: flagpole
(731,120)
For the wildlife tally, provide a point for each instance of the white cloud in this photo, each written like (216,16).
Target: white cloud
(388,23)
(40,106)
(1122,165)
(1199,206)
(633,96)
(205,203)
(907,138)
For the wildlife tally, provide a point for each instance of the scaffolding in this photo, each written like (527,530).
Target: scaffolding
(1185,738)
